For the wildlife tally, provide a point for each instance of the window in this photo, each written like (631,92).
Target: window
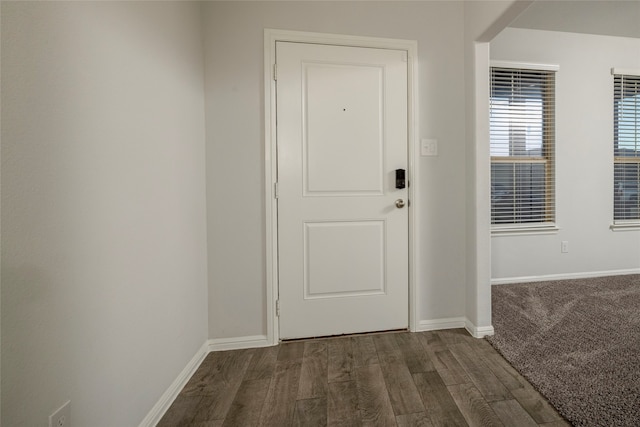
(626,148)
(522,134)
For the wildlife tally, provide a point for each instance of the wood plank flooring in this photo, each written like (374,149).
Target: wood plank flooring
(431,379)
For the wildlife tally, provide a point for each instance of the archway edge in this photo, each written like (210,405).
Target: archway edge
(483,21)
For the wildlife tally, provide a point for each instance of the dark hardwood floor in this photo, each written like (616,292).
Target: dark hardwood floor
(440,378)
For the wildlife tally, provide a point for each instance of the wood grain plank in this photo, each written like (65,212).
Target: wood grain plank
(387,348)
(483,378)
(438,403)
(442,360)
(482,345)
(536,405)
(310,413)
(449,368)
(211,359)
(431,341)
(214,423)
(314,377)
(557,423)
(503,371)
(291,351)
(473,406)
(342,404)
(364,351)
(403,394)
(340,363)
(201,382)
(415,356)
(453,336)
(280,402)
(419,419)
(533,402)
(181,411)
(224,386)
(263,363)
(512,414)
(247,405)
(373,399)
(408,342)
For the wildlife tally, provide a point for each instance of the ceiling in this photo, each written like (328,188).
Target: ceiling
(612,18)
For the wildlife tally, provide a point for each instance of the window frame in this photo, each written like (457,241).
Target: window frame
(547,157)
(626,223)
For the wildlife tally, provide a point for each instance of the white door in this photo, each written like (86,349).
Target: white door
(343,239)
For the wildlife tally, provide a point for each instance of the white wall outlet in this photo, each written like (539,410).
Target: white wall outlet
(564,247)
(61,417)
(428,147)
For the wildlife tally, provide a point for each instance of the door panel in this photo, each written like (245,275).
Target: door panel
(357,125)
(344,259)
(343,243)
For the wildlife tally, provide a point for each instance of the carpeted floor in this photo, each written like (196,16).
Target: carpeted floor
(577,342)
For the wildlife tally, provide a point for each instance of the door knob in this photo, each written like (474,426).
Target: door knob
(399,203)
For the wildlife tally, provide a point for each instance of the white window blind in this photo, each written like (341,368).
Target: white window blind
(522,133)
(626,148)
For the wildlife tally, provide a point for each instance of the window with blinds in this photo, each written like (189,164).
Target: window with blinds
(522,134)
(626,148)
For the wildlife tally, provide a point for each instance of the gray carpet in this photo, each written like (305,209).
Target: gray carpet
(577,342)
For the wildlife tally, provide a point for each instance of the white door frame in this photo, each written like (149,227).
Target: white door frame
(271,207)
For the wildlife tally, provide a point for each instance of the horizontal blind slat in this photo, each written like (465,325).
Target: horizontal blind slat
(522,119)
(626,175)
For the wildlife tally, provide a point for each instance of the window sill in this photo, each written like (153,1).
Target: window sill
(625,226)
(524,230)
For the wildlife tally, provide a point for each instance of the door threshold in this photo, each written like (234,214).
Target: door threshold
(355,334)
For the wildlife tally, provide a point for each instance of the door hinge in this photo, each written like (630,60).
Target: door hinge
(276,190)
(278,308)
(275,72)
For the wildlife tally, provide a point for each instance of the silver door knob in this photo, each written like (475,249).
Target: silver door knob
(399,203)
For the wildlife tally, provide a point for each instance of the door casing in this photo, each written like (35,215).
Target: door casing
(271,36)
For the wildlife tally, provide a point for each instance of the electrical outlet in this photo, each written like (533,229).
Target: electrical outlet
(62,417)
(428,147)
(564,247)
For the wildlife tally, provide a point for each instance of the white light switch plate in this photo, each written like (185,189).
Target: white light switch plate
(62,417)
(428,147)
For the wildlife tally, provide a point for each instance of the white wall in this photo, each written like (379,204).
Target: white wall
(103,207)
(482,21)
(235,146)
(584,147)
(605,17)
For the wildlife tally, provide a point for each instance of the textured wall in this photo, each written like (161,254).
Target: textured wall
(103,207)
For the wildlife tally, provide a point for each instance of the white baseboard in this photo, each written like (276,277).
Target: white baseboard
(563,276)
(160,408)
(236,343)
(455,323)
(217,344)
(478,331)
(438,324)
